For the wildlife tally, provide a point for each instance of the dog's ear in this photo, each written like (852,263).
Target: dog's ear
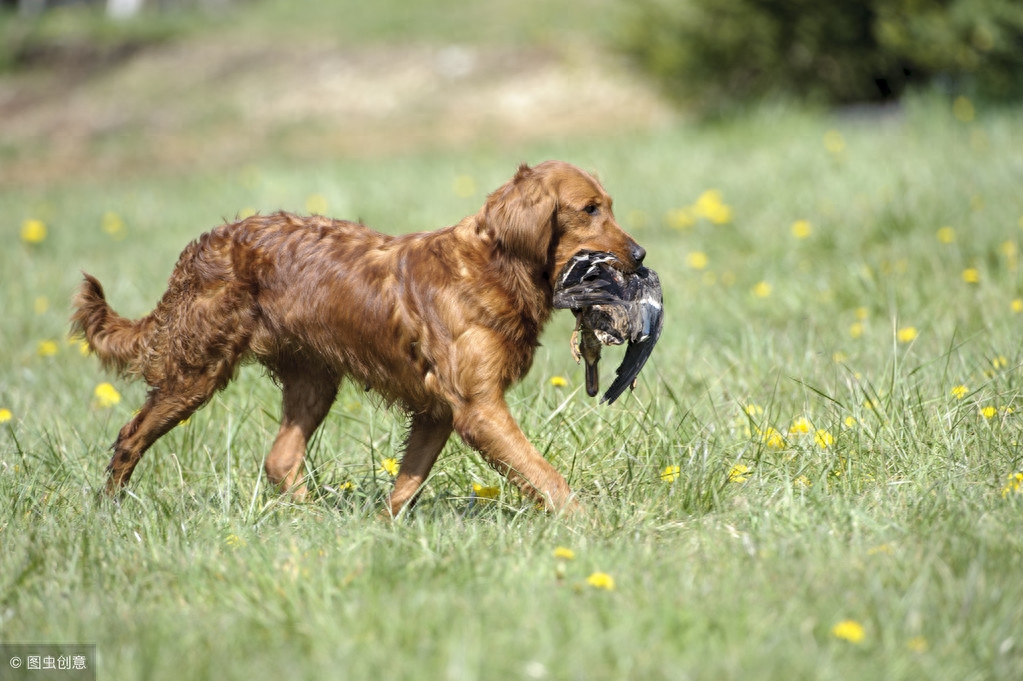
(520,216)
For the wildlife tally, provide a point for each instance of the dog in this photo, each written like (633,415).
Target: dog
(439,323)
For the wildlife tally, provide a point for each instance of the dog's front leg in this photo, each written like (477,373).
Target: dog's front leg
(487,426)
(426,438)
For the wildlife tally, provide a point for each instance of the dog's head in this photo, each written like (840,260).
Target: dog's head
(548,213)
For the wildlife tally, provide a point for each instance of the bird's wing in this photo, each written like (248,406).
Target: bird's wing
(588,279)
(647,322)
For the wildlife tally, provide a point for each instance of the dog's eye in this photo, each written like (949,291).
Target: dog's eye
(592,209)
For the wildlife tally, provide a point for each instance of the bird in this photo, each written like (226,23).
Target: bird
(611,307)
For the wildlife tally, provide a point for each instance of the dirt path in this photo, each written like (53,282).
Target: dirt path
(219,104)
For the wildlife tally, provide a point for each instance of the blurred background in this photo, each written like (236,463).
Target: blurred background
(126,86)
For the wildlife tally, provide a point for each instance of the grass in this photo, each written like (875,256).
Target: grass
(894,509)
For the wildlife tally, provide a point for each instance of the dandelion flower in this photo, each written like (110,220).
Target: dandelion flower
(739,473)
(971,275)
(834,142)
(962,109)
(564,553)
(906,334)
(711,206)
(762,290)
(316,204)
(1014,485)
(113,225)
(5,415)
(106,395)
(918,644)
(33,231)
(960,391)
(483,491)
(697,260)
(988,412)
(946,235)
(464,186)
(773,439)
(47,348)
(559,381)
(848,630)
(681,218)
(670,473)
(823,438)
(601,580)
(800,426)
(389,466)
(801,229)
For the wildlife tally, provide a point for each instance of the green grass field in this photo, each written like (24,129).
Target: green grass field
(815,479)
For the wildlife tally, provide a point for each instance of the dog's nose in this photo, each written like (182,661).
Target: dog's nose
(638,253)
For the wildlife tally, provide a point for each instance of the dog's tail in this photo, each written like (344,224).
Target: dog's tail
(118,342)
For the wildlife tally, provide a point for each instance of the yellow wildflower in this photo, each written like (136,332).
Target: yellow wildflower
(918,644)
(906,334)
(773,439)
(564,553)
(33,231)
(601,580)
(670,473)
(559,381)
(47,348)
(800,426)
(850,422)
(41,304)
(464,186)
(697,260)
(848,630)
(946,235)
(753,409)
(1015,484)
(834,142)
(485,492)
(1017,305)
(802,481)
(389,466)
(739,473)
(960,391)
(801,229)
(711,206)
(824,439)
(316,204)
(5,415)
(113,225)
(856,329)
(681,218)
(971,275)
(988,412)
(962,109)
(762,290)
(106,395)
(234,541)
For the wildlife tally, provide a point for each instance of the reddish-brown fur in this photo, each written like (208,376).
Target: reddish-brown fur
(440,323)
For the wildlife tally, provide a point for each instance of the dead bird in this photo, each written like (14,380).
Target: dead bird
(611,308)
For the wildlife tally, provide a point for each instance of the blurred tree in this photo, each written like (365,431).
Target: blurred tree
(715,53)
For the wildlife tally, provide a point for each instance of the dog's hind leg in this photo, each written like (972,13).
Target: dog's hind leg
(426,438)
(309,393)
